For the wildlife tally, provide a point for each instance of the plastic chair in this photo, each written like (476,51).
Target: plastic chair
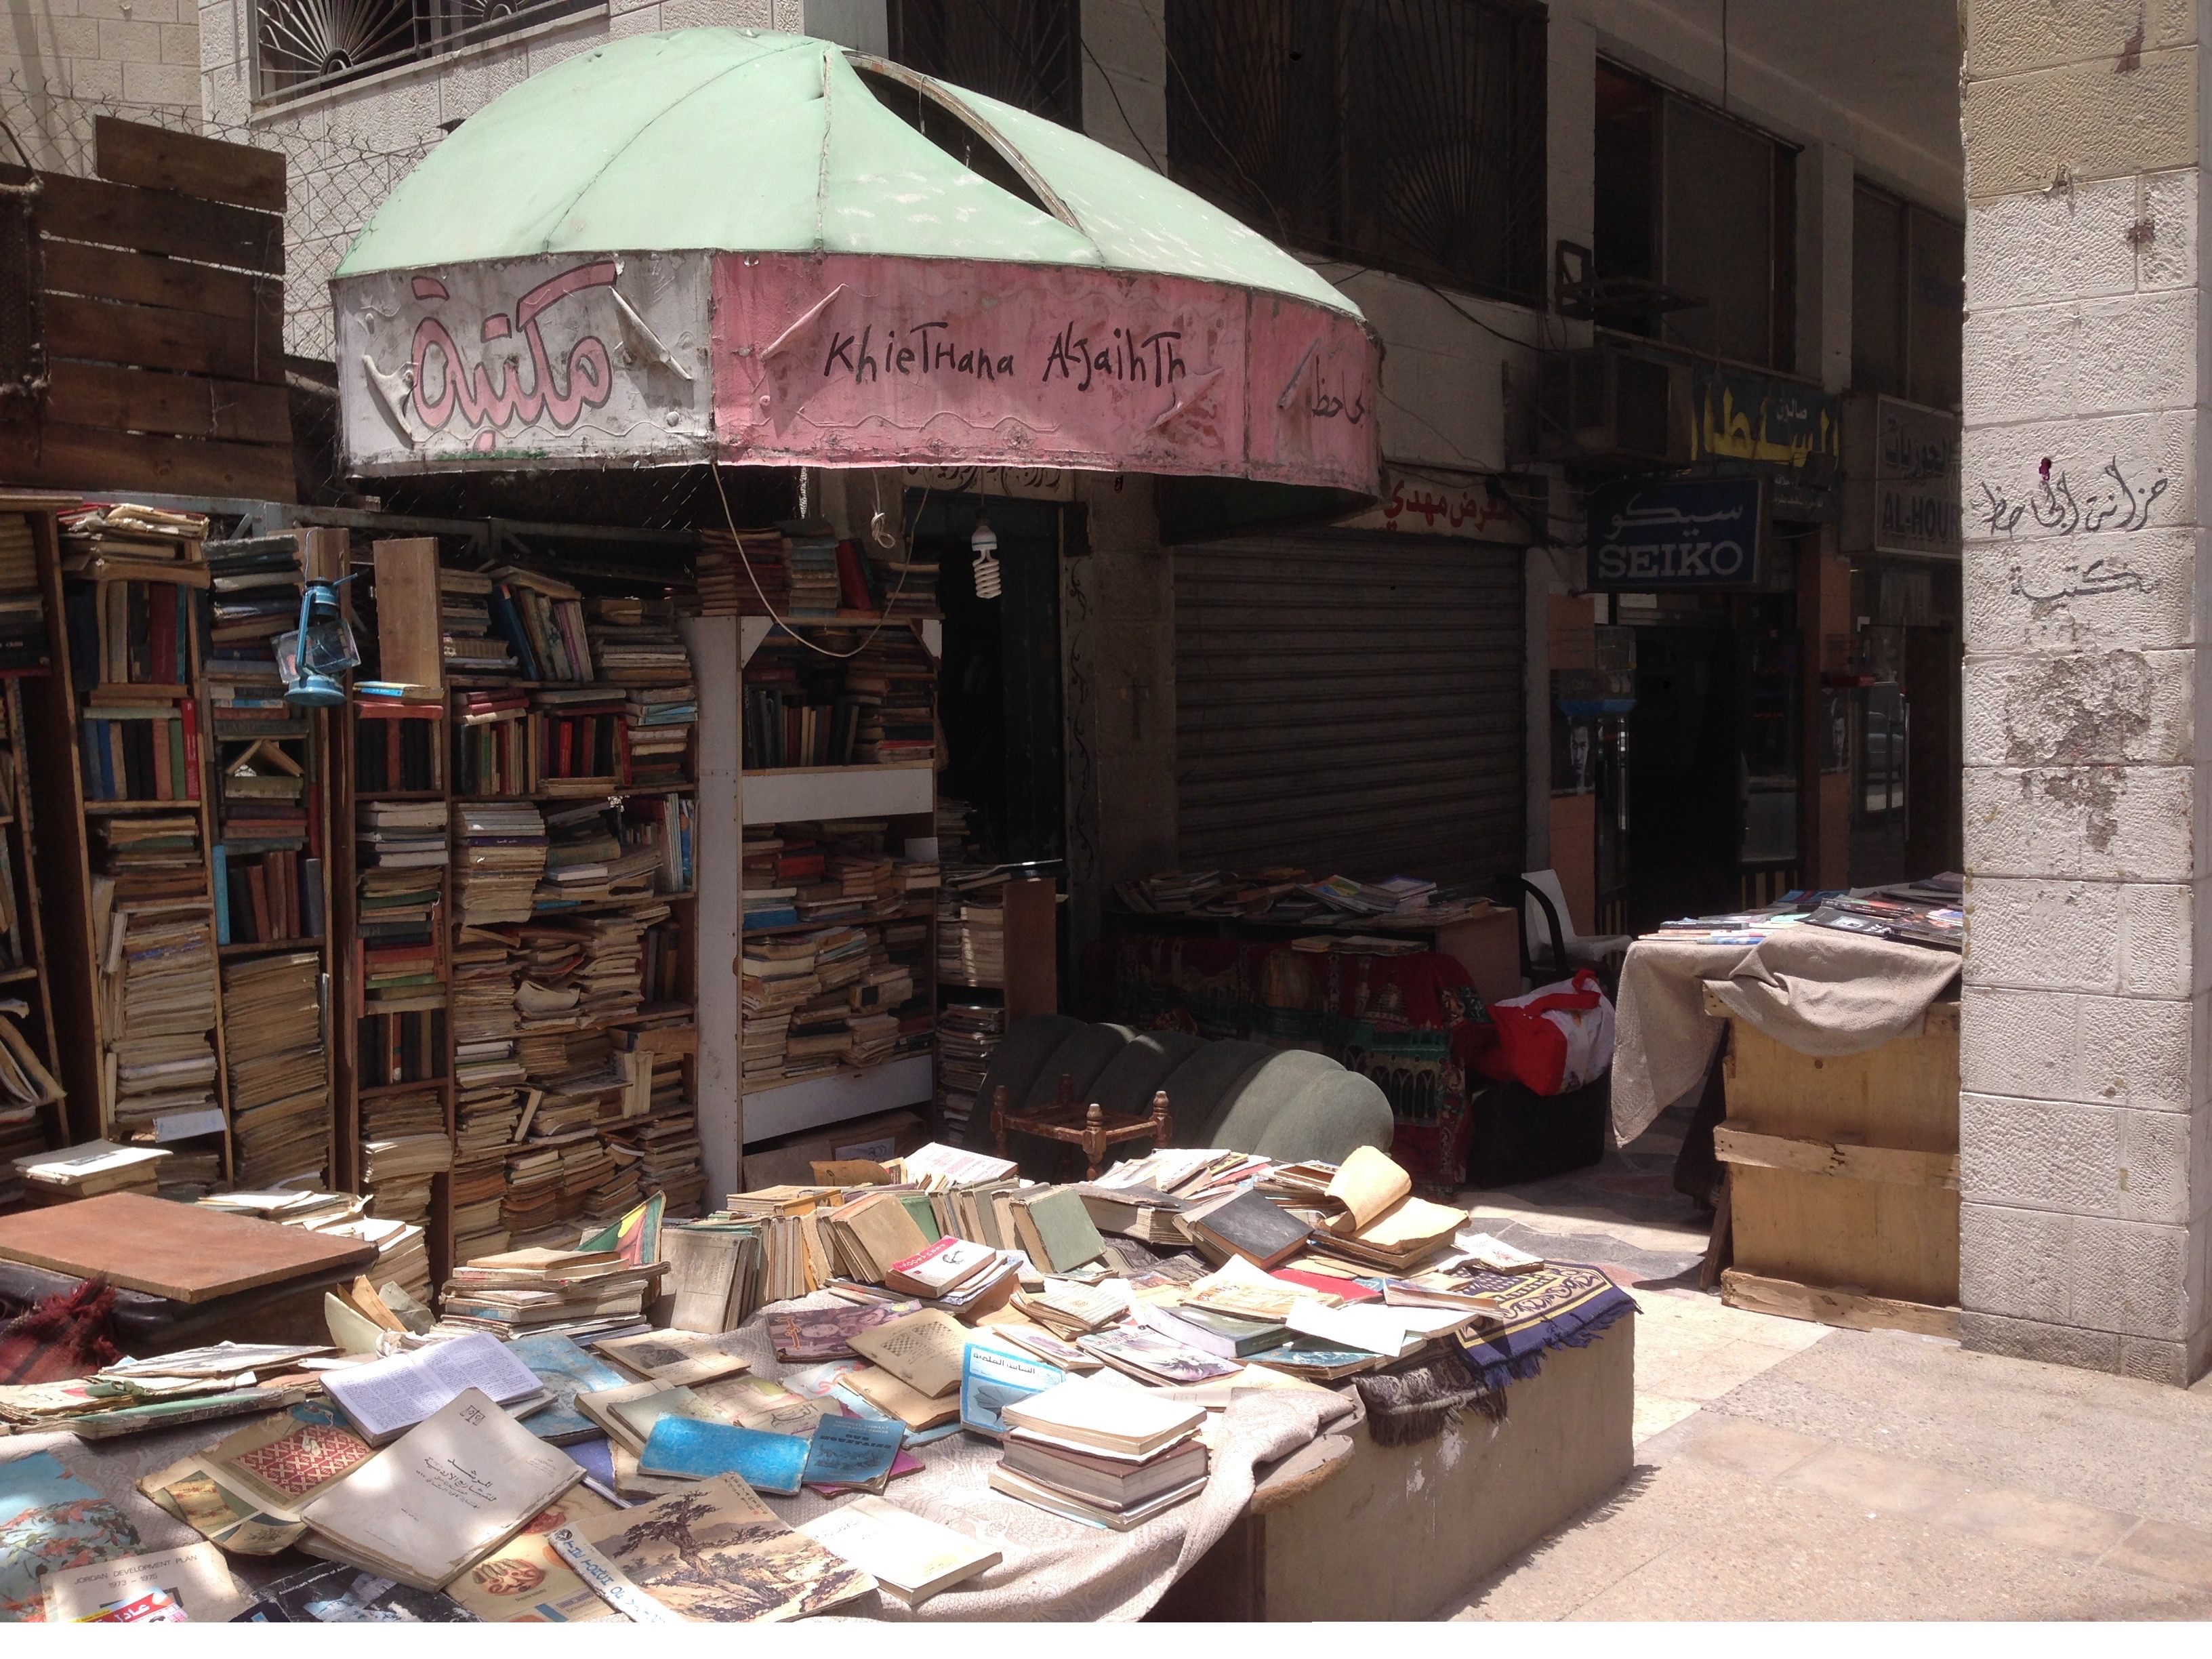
(1550,947)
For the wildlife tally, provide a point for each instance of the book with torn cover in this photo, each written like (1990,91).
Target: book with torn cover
(564,1371)
(192,1575)
(713,1555)
(853,1452)
(922,1350)
(685,1449)
(992,1378)
(523,1580)
(443,1496)
(909,1558)
(50,1520)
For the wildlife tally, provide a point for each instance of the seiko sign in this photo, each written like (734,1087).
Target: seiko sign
(1678,532)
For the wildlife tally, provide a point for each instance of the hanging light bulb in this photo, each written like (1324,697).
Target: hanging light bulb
(985,541)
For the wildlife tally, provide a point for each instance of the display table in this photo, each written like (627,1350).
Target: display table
(1345,1528)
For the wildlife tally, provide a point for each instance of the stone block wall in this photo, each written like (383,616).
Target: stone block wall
(2086,1168)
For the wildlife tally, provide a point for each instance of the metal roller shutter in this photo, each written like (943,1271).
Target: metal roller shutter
(1350,703)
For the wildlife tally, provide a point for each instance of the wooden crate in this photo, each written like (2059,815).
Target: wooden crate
(1844,1177)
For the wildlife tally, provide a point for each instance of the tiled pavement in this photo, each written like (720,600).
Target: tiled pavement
(1788,1471)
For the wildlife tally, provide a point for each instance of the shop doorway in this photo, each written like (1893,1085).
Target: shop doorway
(999,689)
(1682,775)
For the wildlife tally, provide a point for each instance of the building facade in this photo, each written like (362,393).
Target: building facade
(1766,205)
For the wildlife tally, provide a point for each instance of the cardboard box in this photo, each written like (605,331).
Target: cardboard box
(886,1134)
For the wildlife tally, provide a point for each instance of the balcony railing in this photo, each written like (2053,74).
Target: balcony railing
(304,45)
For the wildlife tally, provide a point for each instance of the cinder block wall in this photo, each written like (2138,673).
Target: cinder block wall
(2087,1164)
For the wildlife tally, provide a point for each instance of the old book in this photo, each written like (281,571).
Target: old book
(1151,1358)
(911,1407)
(909,1556)
(627,1414)
(53,1519)
(715,1554)
(674,1358)
(1391,1332)
(942,1267)
(853,1452)
(1366,1185)
(193,1575)
(564,1371)
(992,1378)
(386,1397)
(1111,1483)
(334,1593)
(1014,1484)
(1043,1344)
(684,1448)
(1251,1226)
(1057,1230)
(1495,1255)
(1089,1412)
(1315,1361)
(443,1496)
(812,1334)
(922,1350)
(283,1462)
(1225,1336)
(524,1581)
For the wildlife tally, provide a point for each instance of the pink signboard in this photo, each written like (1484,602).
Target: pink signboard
(850,360)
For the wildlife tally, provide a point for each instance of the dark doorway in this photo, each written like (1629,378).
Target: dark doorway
(999,697)
(1683,785)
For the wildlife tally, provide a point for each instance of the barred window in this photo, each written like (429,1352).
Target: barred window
(303,45)
(1024,53)
(1404,134)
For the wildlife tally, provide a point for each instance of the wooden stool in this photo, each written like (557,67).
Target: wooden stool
(1090,1128)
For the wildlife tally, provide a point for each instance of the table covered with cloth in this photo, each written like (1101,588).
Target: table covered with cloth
(1413,1024)
(1814,990)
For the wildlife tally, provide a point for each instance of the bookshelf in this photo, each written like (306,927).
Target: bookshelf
(869,718)
(33,1110)
(130,824)
(523,895)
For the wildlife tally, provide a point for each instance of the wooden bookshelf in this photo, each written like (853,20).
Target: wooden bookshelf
(28,979)
(74,927)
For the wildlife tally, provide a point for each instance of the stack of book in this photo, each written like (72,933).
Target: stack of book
(280,1083)
(502,855)
(810,557)
(403,1145)
(667,826)
(269,867)
(971,933)
(542,619)
(638,651)
(894,681)
(397,745)
(28,1089)
(88,1170)
(472,651)
(667,1145)
(158,981)
(495,743)
(742,575)
(580,739)
(1108,1457)
(573,1293)
(22,599)
(905,586)
(127,531)
(966,1032)
(401,835)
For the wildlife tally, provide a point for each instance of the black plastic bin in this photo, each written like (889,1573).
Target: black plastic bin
(1519,1135)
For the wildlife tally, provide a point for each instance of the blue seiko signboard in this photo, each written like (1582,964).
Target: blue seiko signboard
(1678,532)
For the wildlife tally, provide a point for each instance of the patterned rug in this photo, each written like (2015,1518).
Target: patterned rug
(1562,1305)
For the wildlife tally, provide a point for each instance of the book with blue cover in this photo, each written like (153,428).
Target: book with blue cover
(566,1371)
(691,1448)
(992,1378)
(853,1451)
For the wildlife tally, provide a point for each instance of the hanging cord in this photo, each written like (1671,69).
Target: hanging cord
(715,473)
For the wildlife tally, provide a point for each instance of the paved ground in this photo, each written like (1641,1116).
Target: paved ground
(1788,1471)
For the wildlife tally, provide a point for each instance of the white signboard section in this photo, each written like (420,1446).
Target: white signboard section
(566,357)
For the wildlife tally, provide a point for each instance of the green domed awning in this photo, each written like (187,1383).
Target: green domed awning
(726,238)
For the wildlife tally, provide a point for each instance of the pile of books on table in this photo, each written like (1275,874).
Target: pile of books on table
(1112,1457)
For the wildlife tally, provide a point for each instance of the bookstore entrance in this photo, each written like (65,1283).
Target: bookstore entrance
(998,685)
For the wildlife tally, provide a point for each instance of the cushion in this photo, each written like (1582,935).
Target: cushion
(1132,1076)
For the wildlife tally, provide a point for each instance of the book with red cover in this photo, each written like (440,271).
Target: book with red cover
(1347,1289)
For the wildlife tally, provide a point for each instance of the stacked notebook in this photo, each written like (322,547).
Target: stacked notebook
(500,857)
(572,1293)
(280,1092)
(1108,1457)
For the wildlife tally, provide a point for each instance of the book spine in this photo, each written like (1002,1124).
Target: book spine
(188,715)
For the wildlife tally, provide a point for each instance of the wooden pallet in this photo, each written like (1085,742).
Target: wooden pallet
(1852,1309)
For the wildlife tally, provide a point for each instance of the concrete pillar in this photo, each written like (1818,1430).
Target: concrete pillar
(2085,1160)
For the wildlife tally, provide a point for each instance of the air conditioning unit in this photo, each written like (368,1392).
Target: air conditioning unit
(1607,407)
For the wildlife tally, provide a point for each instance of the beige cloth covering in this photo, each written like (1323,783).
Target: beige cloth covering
(1817,990)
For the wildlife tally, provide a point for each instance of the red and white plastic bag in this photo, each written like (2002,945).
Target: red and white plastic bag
(1557,1037)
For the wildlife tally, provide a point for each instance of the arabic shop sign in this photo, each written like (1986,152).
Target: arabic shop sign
(1474,507)
(1789,432)
(1915,472)
(1650,535)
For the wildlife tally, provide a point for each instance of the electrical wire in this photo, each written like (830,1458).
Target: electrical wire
(745,559)
(1119,109)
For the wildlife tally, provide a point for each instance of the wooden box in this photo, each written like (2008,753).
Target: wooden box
(1844,1177)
